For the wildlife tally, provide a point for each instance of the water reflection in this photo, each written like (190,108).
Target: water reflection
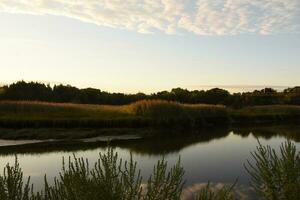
(291,132)
(159,144)
(213,155)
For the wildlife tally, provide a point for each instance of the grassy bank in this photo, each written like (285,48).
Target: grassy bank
(265,114)
(22,114)
(154,113)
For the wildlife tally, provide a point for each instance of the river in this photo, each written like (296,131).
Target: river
(217,156)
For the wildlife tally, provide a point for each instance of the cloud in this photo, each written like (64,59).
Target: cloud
(202,17)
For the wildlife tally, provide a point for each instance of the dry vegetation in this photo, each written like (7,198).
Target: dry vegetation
(145,113)
(142,113)
(267,113)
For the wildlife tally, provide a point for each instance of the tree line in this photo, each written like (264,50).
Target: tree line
(35,91)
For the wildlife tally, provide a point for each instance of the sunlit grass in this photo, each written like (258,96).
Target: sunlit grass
(44,110)
(160,108)
(140,114)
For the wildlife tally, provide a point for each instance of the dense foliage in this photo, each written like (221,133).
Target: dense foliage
(66,93)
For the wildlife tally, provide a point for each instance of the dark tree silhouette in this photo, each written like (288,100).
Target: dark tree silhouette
(34,91)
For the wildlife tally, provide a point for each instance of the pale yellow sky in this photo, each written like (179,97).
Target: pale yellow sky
(107,49)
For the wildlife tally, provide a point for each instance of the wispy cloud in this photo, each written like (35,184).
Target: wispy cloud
(202,17)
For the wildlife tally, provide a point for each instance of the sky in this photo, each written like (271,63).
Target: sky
(151,45)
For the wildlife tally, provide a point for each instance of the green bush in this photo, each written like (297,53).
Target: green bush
(12,186)
(218,194)
(109,179)
(276,175)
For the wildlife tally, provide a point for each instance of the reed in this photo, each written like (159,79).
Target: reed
(145,113)
(273,113)
(23,114)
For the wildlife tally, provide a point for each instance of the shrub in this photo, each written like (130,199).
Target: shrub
(208,193)
(12,186)
(276,175)
(109,179)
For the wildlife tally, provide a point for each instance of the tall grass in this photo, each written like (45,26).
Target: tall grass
(157,108)
(38,114)
(146,113)
(273,113)
(60,110)
(160,108)
(139,114)
(172,113)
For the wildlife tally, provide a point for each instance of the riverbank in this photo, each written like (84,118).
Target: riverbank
(142,114)
(142,141)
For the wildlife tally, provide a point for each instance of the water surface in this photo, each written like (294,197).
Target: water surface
(217,155)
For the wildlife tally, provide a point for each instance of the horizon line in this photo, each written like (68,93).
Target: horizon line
(204,87)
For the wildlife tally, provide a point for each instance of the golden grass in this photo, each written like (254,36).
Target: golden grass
(138,114)
(66,105)
(160,108)
(35,109)
(137,108)
(269,110)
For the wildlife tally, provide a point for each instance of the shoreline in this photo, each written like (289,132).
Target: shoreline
(59,134)
(140,138)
